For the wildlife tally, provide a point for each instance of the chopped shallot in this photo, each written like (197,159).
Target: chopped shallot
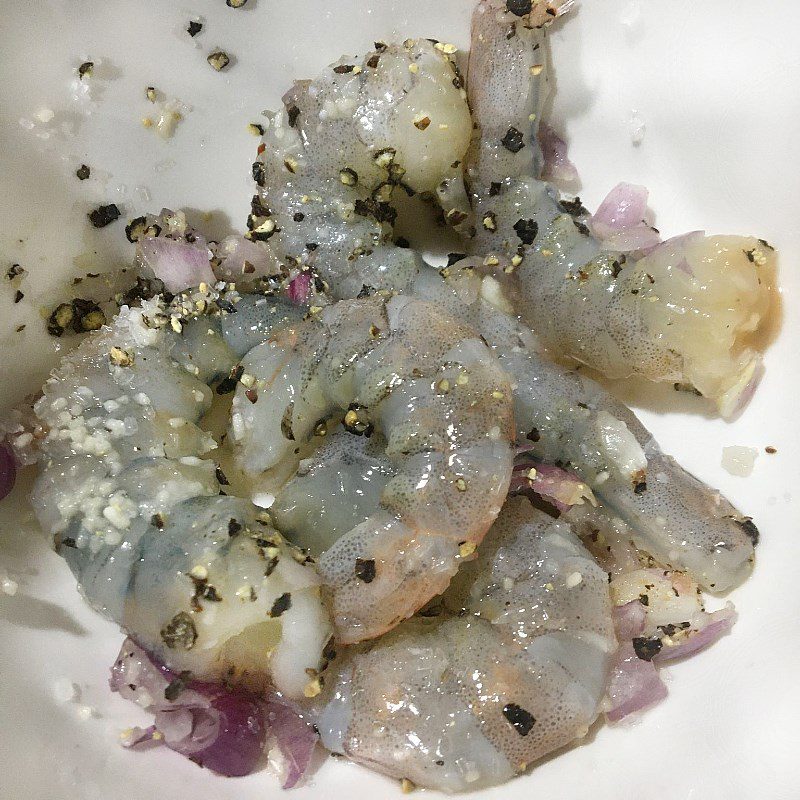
(223,729)
(557,166)
(620,223)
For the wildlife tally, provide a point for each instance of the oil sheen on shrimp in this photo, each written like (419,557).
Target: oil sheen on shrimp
(509,665)
(686,312)
(346,144)
(202,581)
(562,416)
(411,419)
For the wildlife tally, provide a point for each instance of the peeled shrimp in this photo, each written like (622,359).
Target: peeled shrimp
(346,144)
(414,416)
(681,522)
(128,491)
(562,416)
(685,312)
(511,664)
(678,520)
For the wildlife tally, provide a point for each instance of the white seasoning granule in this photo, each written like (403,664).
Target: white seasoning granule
(738,460)
(574,579)
(23,440)
(637,128)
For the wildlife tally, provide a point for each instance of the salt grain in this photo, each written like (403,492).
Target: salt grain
(574,579)
(631,14)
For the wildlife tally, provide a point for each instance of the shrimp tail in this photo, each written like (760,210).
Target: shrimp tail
(672,515)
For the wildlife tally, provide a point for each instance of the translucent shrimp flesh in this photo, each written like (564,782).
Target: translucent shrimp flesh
(675,518)
(345,145)
(564,417)
(414,416)
(659,614)
(127,490)
(685,312)
(511,663)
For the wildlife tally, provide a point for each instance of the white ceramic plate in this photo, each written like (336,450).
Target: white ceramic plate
(716,85)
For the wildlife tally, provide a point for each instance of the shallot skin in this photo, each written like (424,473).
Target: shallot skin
(222,729)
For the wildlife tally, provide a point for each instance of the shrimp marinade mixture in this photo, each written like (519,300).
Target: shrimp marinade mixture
(335,494)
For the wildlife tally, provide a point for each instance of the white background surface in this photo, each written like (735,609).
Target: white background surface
(716,84)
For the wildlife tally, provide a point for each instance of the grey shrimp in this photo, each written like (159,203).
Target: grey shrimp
(510,664)
(383,429)
(563,416)
(345,145)
(686,311)
(126,488)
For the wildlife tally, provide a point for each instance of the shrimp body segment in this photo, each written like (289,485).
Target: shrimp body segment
(416,414)
(348,144)
(510,665)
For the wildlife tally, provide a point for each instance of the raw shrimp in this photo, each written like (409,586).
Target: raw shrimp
(203,581)
(659,614)
(676,518)
(346,143)
(509,665)
(685,312)
(564,417)
(397,513)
